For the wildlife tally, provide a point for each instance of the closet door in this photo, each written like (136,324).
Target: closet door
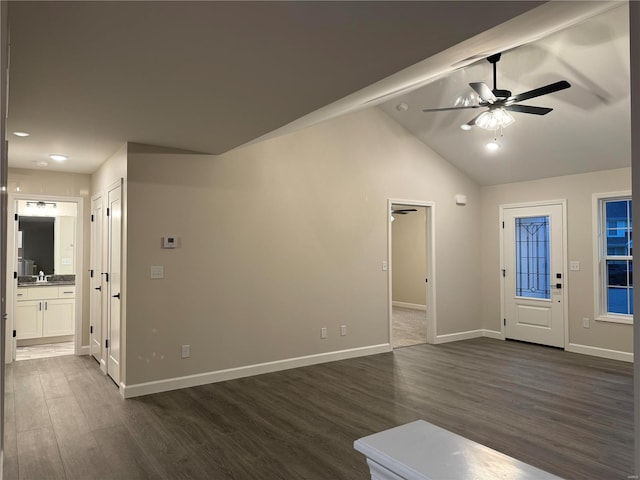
(114,269)
(96,268)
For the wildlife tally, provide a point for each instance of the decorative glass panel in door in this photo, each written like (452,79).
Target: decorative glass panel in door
(533,279)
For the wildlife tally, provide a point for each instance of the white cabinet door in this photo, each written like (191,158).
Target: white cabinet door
(58,317)
(28,319)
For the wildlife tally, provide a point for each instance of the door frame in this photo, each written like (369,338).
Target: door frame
(13,267)
(430,241)
(565,287)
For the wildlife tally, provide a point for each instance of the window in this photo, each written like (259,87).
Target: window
(615,282)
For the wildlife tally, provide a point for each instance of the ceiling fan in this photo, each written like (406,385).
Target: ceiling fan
(500,102)
(403,211)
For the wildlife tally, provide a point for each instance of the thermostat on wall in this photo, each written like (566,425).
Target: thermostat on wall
(169,242)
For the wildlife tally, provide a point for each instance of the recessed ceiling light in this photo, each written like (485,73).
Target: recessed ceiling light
(21,134)
(58,157)
(42,163)
(493,146)
(402,107)
(465,127)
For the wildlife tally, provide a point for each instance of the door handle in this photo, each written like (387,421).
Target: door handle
(98,288)
(117,295)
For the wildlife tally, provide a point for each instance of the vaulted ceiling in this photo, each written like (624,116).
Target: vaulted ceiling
(210,76)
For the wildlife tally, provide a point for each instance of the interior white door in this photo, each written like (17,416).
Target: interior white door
(96,299)
(533,259)
(114,215)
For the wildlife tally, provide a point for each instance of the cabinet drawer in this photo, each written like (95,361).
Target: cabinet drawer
(37,293)
(67,291)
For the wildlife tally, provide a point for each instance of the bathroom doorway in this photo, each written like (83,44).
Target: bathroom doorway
(46,252)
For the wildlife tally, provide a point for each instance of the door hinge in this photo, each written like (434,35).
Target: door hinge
(106,343)
(15,274)
(14,334)
(502,224)
(92,217)
(91,273)
(106,276)
(504,322)
(107,212)
(91,329)
(15,217)
(504,272)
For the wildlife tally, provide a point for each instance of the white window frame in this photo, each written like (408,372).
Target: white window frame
(599,257)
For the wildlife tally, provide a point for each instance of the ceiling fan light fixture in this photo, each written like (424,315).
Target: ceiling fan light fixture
(494,119)
(492,146)
(58,157)
(465,126)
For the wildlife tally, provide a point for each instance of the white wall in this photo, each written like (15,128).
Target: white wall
(281,238)
(409,259)
(578,191)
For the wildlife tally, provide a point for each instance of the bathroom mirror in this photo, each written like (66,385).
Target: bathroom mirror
(46,236)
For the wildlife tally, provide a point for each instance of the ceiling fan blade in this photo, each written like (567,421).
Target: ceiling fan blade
(528,109)
(536,92)
(483,90)
(450,108)
(472,122)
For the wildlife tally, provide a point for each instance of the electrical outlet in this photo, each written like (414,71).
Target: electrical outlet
(186,351)
(323,332)
(574,266)
(343,330)
(385,266)
(585,322)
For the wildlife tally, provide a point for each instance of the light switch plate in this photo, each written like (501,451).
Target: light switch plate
(157,271)
(574,266)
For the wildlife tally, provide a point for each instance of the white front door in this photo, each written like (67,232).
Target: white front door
(534,274)
(114,214)
(95,332)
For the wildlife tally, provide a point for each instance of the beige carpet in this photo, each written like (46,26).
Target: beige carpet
(409,327)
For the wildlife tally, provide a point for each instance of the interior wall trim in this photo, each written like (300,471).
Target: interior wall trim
(493,334)
(482,332)
(600,352)
(414,306)
(454,337)
(136,390)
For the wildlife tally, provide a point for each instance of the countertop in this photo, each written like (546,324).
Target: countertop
(46,284)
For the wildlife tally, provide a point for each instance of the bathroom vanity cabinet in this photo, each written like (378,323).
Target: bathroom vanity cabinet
(45,311)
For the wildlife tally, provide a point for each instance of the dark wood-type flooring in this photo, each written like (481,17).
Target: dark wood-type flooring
(568,414)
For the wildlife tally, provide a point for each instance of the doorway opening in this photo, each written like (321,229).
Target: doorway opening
(45,250)
(411,273)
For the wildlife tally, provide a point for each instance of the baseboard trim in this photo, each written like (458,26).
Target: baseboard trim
(455,337)
(414,306)
(85,350)
(136,390)
(493,334)
(600,352)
